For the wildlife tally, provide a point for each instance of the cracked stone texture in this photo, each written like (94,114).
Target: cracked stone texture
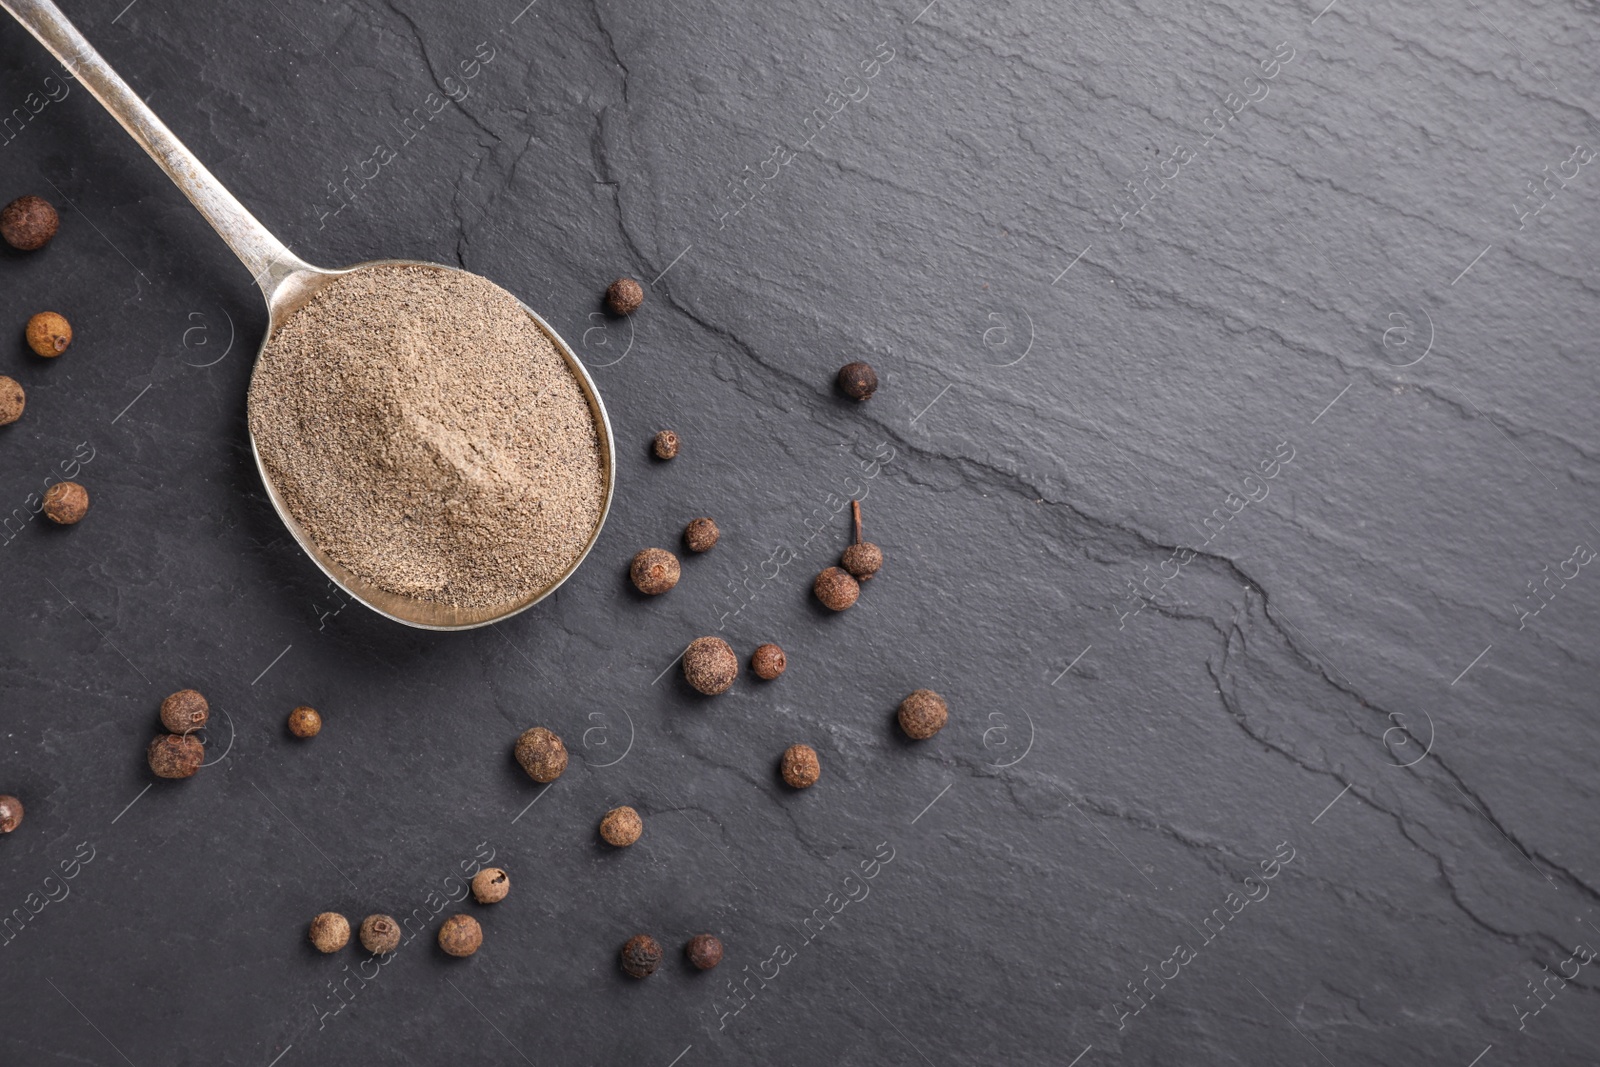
(1067,397)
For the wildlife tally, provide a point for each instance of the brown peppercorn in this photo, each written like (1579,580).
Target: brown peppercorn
(923,714)
(28,223)
(490,885)
(541,754)
(801,768)
(175,755)
(185,710)
(862,558)
(12,400)
(768,661)
(380,934)
(710,665)
(665,444)
(641,956)
(10,813)
(624,296)
(460,935)
(330,931)
(654,571)
(49,334)
(836,589)
(305,722)
(621,826)
(704,951)
(701,534)
(66,503)
(858,380)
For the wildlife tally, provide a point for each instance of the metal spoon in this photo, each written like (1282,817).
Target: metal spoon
(287,282)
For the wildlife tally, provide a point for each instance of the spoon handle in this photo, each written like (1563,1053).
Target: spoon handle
(267,258)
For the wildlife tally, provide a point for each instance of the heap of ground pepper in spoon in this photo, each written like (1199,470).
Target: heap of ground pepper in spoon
(428,436)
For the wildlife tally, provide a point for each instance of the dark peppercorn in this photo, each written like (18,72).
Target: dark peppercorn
(10,813)
(923,714)
(624,296)
(704,951)
(665,444)
(654,571)
(701,534)
(768,661)
(460,935)
(863,558)
(858,380)
(185,710)
(305,722)
(66,503)
(12,400)
(801,768)
(641,956)
(380,934)
(836,589)
(490,885)
(175,755)
(541,754)
(621,826)
(28,223)
(710,665)
(330,931)
(49,334)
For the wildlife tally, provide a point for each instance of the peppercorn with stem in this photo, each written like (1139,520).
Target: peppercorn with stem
(862,558)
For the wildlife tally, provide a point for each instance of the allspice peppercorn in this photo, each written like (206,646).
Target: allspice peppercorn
(380,934)
(862,558)
(175,755)
(66,503)
(710,665)
(185,710)
(923,714)
(768,661)
(665,444)
(836,588)
(490,885)
(858,380)
(460,935)
(330,931)
(701,535)
(12,400)
(28,223)
(624,296)
(641,956)
(621,826)
(541,754)
(10,813)
(801,768)
(654,571)
(704,951)
(305,722)
(49,334)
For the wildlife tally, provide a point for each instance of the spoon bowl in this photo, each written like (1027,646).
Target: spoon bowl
(288,283)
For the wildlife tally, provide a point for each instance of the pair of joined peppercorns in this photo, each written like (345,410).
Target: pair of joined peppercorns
(49,334)
(621,826)
(305,722)
(490,885)
(330,931)
(710,665)
(10,813)
(701,535)
(28,223)
(541,754)
(858,380)
(664,444)
(923,714)
(185,710)
(175,755)
(65,503)
(840,587)
(460,936)
(12,400)
(654,571)
(379,934)
(624,296)
(800,766)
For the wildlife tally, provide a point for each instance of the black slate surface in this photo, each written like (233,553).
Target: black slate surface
(1218,505)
